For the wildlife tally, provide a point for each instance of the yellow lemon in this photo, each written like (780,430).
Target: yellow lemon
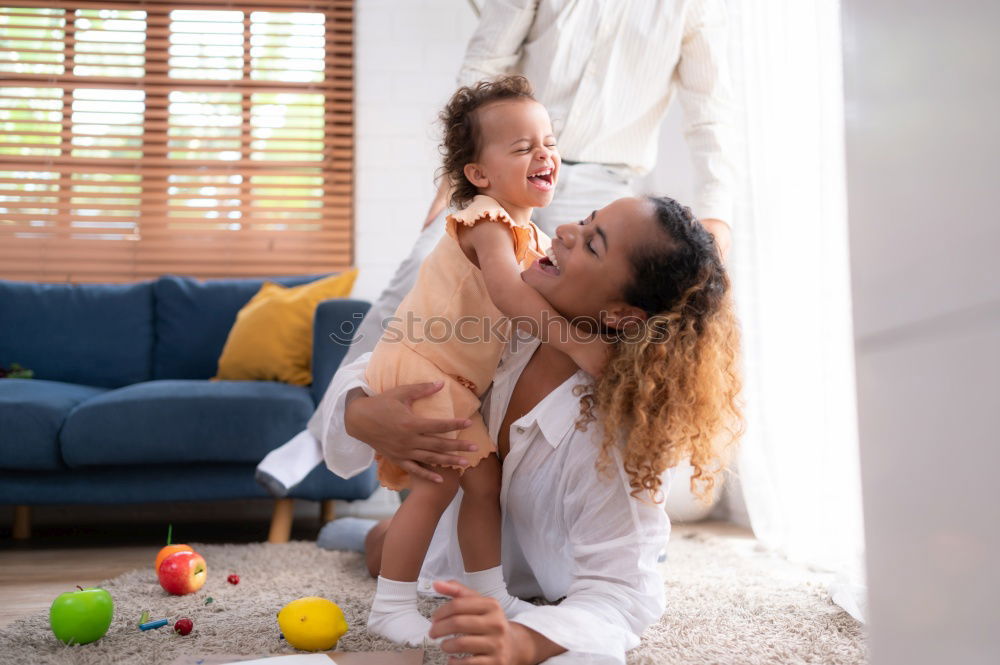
(312,623)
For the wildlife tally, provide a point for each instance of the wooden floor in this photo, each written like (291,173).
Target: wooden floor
(34,572)
(31,579)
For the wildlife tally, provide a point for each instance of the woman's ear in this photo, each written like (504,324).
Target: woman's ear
(621,315)
(474,174)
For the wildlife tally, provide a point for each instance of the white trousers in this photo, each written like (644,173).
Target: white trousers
(582,188)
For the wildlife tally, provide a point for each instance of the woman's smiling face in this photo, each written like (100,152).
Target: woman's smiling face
(591,261)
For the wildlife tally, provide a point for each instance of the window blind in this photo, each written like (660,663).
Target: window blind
(189,137)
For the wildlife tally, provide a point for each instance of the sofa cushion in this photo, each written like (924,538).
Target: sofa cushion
(193,319)
(90,334)
(31,414)
(272,339)
(171,421)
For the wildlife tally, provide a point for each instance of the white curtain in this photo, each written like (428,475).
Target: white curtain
(799,461)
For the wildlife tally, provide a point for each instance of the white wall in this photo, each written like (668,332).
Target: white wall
(922,156)
(407,56)
(672,176)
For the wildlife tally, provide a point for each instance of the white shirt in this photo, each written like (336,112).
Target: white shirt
(607,70)
(568,532)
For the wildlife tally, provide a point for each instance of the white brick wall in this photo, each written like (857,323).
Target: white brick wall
(407,56)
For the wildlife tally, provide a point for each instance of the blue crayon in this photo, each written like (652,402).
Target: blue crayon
(150,625)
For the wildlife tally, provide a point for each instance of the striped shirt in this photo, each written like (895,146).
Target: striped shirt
(607,70)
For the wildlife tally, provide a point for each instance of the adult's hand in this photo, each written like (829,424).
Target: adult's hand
(439,202)
(481,630)
(723,236)
(386,422)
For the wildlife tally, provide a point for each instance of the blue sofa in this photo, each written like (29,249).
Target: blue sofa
(121,409)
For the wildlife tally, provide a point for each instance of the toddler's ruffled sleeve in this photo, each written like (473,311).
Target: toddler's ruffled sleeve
(486,209)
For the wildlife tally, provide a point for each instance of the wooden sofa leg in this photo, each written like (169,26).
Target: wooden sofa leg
(327,513)
(22,523)
(281,521)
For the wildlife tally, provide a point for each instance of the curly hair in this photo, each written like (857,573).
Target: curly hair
(461,142)
(670,389)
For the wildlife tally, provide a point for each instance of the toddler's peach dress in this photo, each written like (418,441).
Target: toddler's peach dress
(448,329)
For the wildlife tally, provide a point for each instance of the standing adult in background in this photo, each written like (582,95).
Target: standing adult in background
(607,71)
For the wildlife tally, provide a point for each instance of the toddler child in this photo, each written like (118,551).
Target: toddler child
(500,155)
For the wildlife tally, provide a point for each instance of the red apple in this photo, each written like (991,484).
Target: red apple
(182,573)
(167,551)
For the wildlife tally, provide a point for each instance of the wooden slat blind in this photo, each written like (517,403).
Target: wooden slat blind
(188,137)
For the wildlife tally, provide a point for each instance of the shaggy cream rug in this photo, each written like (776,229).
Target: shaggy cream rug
(728,602)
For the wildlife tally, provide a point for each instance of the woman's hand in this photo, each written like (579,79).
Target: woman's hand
(482,631)
(387,423)
(479,625)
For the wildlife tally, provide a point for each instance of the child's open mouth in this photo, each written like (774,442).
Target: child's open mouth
(542,179)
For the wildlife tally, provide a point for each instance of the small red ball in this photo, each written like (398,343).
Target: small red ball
(183,626)
(233,579)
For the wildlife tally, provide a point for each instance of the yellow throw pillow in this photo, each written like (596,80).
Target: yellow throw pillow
(273,334)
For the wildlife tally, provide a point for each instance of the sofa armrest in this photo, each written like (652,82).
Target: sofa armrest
(334,325)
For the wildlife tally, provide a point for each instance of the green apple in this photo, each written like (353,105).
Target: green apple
(80,617)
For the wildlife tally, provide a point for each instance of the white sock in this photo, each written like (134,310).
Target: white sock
(346,533)
(394,613)
(490,583)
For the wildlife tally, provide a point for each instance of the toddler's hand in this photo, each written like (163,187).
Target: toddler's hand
(592,355)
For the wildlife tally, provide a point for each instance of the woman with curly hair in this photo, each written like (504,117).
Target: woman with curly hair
(584,459)
(500,152)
